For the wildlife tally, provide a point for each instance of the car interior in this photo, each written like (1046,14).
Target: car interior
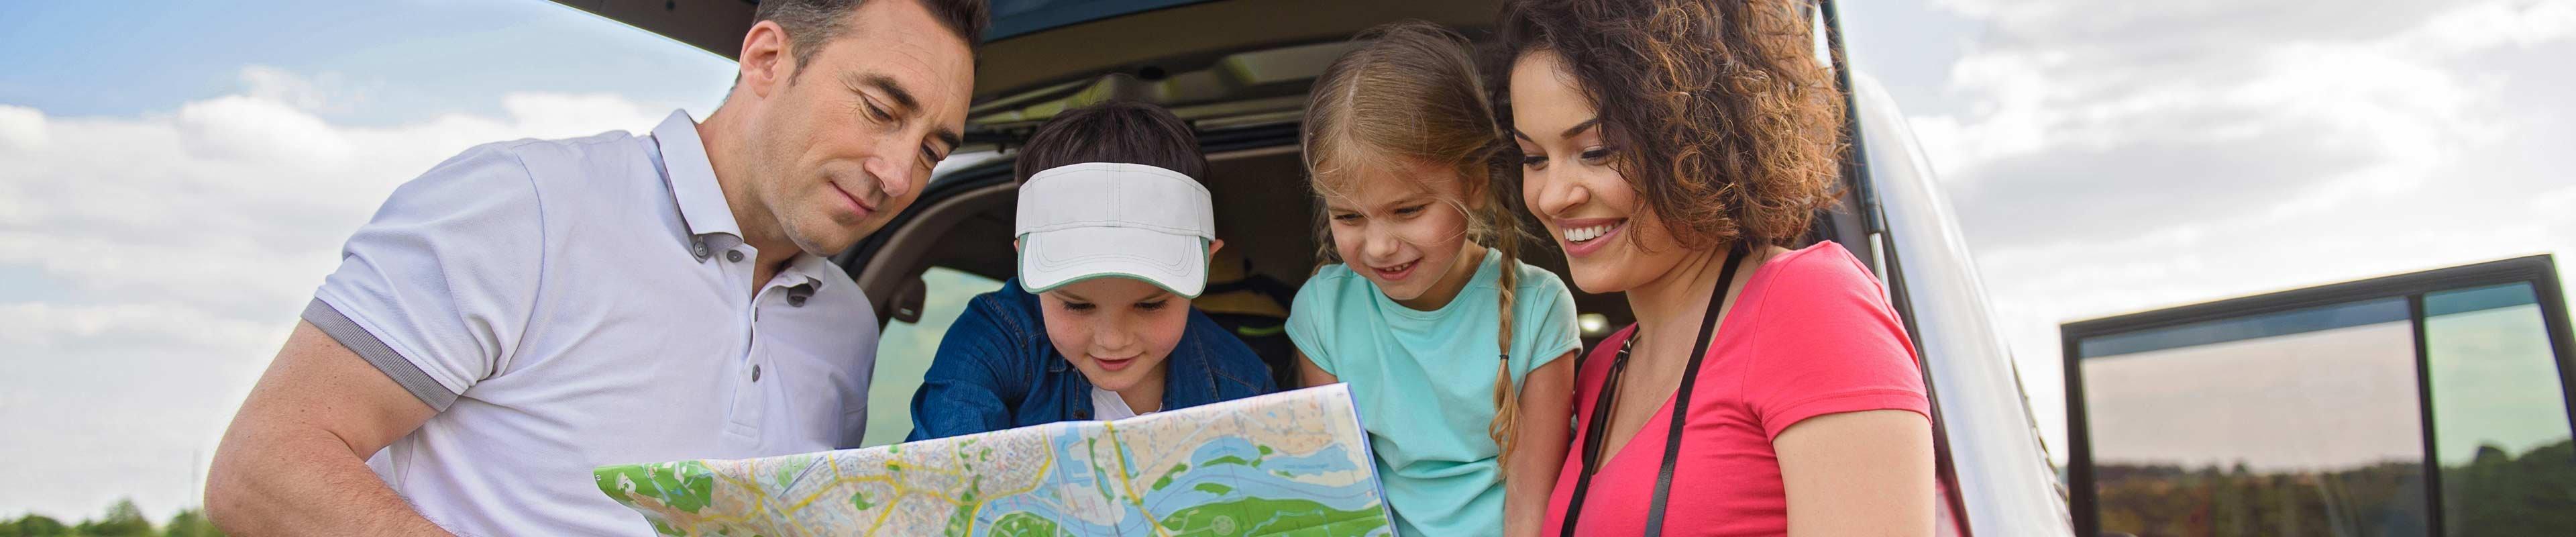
(1245,100)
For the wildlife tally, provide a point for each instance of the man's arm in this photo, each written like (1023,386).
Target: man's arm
(294,461)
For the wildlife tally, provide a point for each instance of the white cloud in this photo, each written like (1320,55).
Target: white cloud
(21,128)
(2115,156)
(172,251)
(325,92)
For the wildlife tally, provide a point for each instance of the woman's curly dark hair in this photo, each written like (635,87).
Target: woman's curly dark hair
(1722,117)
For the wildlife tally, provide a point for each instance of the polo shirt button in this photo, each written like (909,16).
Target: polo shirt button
(796,300)
(700,250)
(733,255)
(755,372)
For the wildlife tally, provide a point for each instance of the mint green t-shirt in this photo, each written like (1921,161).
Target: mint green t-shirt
(1424,381)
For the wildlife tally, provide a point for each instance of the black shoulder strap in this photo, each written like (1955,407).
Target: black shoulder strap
(1682,398)
(1592,440)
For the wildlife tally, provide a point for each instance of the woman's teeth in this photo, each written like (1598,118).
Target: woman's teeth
(1586,234)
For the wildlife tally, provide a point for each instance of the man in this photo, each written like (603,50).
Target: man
(531,309)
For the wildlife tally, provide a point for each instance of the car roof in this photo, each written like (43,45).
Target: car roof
(1215,62)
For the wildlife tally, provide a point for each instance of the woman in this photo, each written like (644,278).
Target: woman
(1672,148)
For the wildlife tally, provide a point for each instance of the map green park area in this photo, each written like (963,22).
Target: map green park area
(1292,463)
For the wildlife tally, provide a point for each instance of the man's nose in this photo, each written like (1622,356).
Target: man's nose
(894,176)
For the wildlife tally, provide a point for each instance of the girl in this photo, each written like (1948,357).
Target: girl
(1671,147)
(1453,348)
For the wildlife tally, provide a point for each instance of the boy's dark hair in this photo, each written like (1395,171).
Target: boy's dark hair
(1120,131)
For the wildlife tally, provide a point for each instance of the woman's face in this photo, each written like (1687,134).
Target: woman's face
(1399,228)
(1612,241)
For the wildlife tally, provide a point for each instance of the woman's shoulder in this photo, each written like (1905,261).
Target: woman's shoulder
(1823,270)
(1816,294)
(1823,263)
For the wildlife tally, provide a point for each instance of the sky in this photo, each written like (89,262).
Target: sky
(175,178)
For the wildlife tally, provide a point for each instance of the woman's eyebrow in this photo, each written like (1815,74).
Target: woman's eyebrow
(1570,132)
(1578,128)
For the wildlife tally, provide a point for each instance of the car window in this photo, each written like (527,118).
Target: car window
(2259,425)
(905,350)
(2432,403)
(2500,424)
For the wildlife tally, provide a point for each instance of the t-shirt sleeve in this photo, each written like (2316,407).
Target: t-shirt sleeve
(1307,316)
(1543,320)
(1827,343)
(437,288)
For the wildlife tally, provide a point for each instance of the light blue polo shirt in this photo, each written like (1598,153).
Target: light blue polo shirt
(1424,381)
(566,304)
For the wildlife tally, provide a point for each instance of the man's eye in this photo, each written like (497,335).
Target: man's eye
(1078,306)
(1153,306)
(874,112)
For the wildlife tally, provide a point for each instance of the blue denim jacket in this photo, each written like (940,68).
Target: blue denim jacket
(996,370)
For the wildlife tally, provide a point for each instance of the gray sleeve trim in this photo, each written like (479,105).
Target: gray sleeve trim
(358,340)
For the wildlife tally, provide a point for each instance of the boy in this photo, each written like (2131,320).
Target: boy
(1114,233)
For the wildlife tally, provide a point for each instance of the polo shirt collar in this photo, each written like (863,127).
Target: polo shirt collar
(811,268)
(693,179)
(712,229)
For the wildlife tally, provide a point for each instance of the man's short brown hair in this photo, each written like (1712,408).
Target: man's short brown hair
(1119,131)
(811,23)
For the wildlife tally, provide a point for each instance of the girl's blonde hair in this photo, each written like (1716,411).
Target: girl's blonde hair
(1410,94)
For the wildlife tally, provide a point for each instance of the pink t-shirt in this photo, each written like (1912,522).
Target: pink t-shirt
(1810,334)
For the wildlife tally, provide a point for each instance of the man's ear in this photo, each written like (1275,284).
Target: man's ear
(1015,245)
(765,58)
(1213,246)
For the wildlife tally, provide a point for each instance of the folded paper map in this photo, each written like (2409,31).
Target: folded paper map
(1288,463)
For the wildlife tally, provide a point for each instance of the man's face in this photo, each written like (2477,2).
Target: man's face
(846,141)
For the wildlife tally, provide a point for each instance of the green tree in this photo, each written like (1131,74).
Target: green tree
(34,525)
(190,523)
(123,519)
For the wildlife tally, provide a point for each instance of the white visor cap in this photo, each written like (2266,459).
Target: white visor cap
(1082,221)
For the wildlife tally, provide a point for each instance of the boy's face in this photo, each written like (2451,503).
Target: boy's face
(1117,331)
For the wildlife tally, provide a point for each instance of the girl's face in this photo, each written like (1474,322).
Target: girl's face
(1400,229)
(1116,331)
(1612,241)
